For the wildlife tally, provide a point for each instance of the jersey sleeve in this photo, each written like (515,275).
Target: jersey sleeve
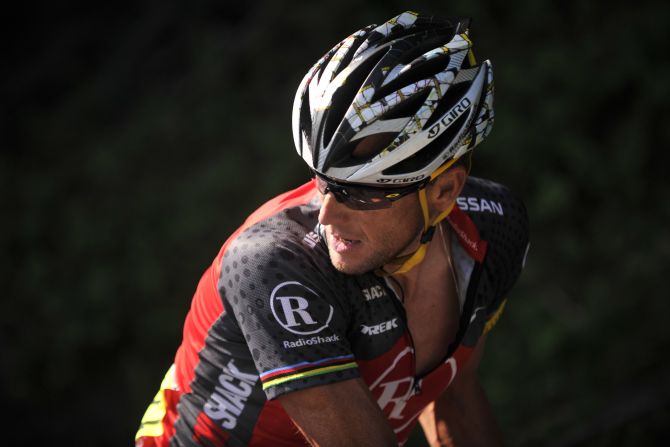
(287,310)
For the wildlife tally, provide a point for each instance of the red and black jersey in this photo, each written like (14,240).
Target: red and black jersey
(272,315)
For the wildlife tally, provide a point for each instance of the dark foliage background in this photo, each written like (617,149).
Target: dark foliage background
(136,136)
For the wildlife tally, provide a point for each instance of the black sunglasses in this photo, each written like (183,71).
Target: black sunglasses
(359,197)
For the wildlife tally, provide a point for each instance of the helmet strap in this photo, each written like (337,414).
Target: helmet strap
(412,260)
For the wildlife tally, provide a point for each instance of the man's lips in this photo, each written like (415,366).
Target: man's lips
(342,238)
(343,244)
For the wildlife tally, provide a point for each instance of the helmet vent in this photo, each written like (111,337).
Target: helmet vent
(408,107)
(326,60)
(378,39)
(305,117)
(363,150)
(419,71)
(344,96)
(351,51)
(421,43)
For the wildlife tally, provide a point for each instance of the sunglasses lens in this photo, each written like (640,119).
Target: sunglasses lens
(355,197)
(368,200)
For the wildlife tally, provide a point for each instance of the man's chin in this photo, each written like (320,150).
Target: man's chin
(350,267)
(349,270)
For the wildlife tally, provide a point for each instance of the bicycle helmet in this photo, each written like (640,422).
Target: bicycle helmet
(391,104)
(395,104)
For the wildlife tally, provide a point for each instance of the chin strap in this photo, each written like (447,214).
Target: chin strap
(412,260)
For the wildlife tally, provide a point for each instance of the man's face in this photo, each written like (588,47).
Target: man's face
(362,240)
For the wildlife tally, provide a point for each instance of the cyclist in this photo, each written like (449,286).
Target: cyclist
(347,310)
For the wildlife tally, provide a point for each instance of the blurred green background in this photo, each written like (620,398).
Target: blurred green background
(136,136)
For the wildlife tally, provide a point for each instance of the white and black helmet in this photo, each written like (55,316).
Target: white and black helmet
(390,104)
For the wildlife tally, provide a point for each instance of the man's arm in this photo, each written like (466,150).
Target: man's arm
(462,415)
(340,414)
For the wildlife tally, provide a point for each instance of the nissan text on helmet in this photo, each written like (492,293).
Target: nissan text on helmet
(391,104)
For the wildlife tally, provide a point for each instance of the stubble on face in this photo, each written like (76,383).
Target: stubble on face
(384,252)
(388,238)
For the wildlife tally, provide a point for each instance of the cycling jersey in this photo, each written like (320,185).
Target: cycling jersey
(272,315)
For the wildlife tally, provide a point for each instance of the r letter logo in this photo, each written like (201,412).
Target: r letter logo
(298,309)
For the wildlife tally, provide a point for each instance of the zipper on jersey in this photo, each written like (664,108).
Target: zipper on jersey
(416,380)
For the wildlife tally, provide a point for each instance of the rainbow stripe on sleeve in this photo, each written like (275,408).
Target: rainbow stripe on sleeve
(306,369)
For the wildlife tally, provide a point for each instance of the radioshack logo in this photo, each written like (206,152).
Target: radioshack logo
(298,309)
(315,340)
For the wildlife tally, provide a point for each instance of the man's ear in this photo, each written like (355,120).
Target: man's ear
(443,191)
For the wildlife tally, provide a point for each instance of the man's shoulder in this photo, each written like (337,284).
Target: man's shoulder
(498,213)
(281,224)
(482,197)
(287,237)
(502,220)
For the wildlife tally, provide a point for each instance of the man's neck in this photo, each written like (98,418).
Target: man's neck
(435,263)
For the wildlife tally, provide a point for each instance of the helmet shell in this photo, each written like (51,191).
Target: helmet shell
(390,104)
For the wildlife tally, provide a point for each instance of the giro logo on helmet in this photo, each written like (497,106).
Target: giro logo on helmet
(401,180)
(450,117)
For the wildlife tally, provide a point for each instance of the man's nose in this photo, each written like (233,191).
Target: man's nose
(332,211)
